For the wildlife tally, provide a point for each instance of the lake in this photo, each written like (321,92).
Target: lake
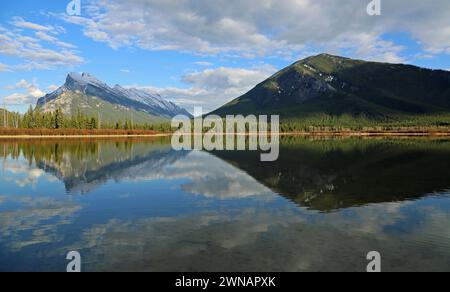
(138,205)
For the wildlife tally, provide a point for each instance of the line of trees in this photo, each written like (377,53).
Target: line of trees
(34,118)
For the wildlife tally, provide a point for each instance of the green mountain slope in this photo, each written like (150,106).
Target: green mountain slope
(72,102)
(327,89)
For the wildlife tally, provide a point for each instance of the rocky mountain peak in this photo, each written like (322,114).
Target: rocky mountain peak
(132,98)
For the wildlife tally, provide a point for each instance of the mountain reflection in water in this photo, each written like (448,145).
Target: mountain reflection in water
(321,207)
(329,174)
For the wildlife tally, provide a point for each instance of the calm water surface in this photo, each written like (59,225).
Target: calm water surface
(137,205)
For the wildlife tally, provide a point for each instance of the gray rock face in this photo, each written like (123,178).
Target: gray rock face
(299,87)
(293,87)
(136,99)
(155,101)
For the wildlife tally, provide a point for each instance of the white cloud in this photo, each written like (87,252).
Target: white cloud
(266,27)
(33,52)
(17,99)
(367,46)
(224,78)
(52,87)
(29,95)
(126,71)
(204,64)
(20,22)
(51,39)
(22,84)
(4,68)
(212,88)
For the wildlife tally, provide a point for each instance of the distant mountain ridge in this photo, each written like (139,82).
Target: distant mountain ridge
(91,96)
(327,86)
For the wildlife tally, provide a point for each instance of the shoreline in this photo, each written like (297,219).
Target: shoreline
(370,134)
(81,136)
(304,134)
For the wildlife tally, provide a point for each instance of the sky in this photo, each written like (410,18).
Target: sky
(204,52)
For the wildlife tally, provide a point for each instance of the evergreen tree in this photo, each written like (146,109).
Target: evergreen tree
(59,119)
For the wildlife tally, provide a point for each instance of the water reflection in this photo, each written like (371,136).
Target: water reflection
(35,221)
(321,207)
(268,240)
(329,174)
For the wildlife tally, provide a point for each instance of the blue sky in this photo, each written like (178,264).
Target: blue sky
(201,52)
